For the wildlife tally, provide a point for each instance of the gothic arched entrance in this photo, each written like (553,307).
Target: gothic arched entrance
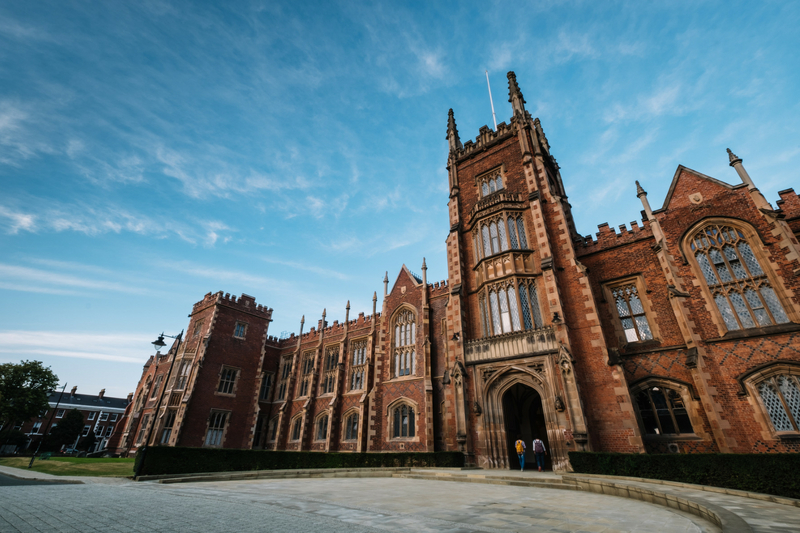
(523,415)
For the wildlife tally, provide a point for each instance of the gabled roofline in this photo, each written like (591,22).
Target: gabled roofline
(410,275)
(677,174)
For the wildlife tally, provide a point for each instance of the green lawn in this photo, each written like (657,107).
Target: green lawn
(74,466)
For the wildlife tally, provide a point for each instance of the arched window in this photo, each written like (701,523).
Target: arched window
(359,364)
(351,426)
(404,344)
(662,412)
(307,368)
(272,429)
(631,312)
(738,284)
(491,183)
(403,421)
(322,428)
(297,424)
(780,395)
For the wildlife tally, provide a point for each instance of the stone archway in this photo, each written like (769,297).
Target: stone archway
(531,385)
(523,415)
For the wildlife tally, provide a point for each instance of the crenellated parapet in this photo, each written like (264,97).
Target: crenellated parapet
(438,288)
(244,303)
(486,138)
(608,238)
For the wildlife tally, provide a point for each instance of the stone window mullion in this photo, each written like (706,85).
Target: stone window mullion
(786,407)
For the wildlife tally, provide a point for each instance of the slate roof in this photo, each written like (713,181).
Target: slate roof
(88,400)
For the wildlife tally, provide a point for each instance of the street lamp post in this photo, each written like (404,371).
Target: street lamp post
(159,343)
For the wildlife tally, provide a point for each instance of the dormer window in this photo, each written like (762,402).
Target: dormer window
(491,182)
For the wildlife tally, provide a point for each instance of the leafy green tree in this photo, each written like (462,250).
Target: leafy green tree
(24,389)
(67,430)
(87,442)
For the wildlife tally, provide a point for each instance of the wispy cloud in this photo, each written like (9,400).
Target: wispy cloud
(324,272)
(116,347)
(28,279)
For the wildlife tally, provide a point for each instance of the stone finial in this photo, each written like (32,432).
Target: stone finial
(733,157)
(452,132)
(374,297)
(102,393)
(302,320)
(324,312)
(639,190)
(386,284)
(515,95)
(348,305)
(73,391)
(424,266)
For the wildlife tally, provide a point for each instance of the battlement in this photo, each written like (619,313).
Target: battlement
(440,287)
(501,196)
(486,137)
(607,237)
(244,303)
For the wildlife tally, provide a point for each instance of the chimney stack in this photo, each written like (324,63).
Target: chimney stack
(74,389)
(129,399)
(102,393)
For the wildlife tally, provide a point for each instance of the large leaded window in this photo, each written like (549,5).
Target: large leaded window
(505,309)
(266,388)
(359,364)
(329,376)
(297,425)
(500,233)
(169,422)
(780,395)
(663,412)
(183,374)
(631,312)
(737,282)
(404,344)
(227,380)
(403,421)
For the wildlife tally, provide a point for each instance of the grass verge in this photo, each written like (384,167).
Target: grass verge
(74,466)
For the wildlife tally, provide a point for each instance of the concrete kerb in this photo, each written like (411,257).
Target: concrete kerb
(732,492)
(274,474)
(32,475)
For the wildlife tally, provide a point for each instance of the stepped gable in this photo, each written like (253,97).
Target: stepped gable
(244,303)
(608,238)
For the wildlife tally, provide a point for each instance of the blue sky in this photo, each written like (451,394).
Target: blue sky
(151,152)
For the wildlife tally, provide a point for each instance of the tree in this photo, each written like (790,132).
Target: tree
(24,389)
(67,430)
(87,442)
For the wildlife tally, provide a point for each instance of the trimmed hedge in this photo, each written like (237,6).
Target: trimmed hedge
(770,473)
(161,460)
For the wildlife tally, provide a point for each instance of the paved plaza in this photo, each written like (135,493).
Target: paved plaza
(350,505)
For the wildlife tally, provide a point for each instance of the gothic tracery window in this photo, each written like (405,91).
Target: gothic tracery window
(359,367)
(306,377)
(403,421)
(491,183)
(351,427)
(329,376)
(631,312)
(404,344)
(322,428)
(286,371)
(500,234)
(737,282)
(780,395)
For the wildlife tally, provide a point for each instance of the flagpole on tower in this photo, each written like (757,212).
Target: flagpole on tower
(494,117)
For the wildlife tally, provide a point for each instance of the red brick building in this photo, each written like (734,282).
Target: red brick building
(102,415)
(681,334)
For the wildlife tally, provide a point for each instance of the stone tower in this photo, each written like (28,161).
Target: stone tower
(523,320)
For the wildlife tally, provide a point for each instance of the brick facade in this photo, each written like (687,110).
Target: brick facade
(537,331)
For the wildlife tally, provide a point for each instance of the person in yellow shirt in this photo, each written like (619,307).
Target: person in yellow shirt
(520,447)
